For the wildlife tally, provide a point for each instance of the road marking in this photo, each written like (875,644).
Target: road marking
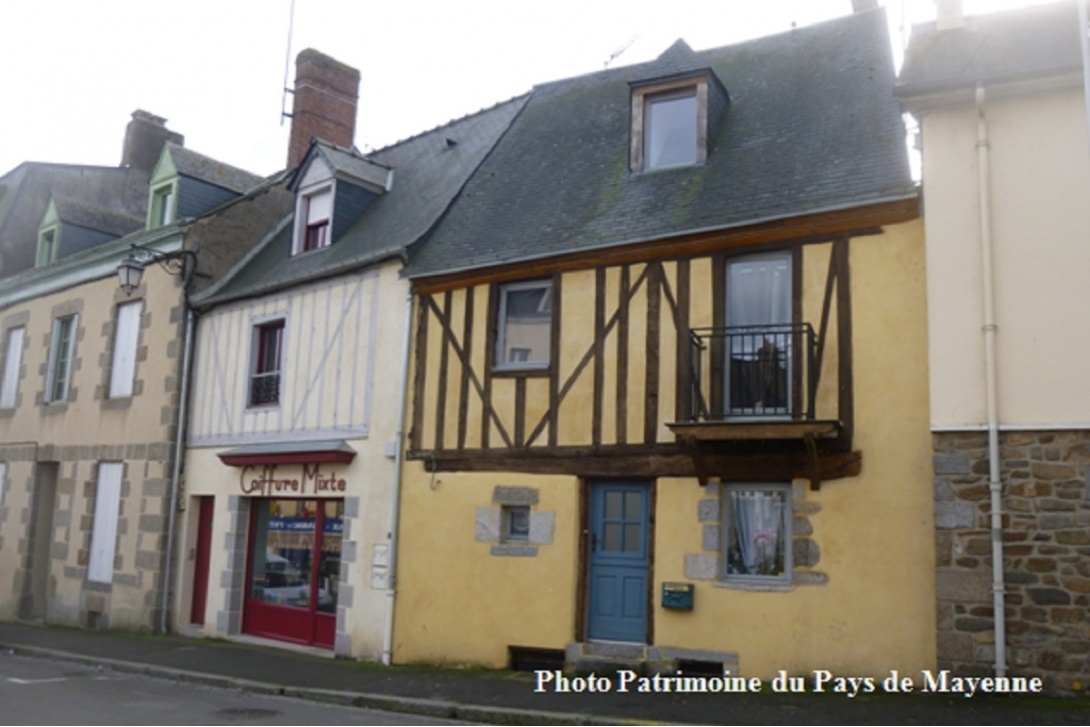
(16,680)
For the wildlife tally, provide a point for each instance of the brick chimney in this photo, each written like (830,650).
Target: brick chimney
(324,106)
(145,136)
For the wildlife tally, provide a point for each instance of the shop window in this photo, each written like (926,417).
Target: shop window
(524,325)
(757,530)
(265,377)
(295,557)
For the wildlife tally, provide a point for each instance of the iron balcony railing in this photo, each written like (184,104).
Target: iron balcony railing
(752,372)
(265,388)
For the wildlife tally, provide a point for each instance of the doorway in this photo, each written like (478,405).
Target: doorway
(619,561)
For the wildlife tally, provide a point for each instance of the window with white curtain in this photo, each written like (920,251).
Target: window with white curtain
(757,533)
(100,562)
(126,337)
(759,314)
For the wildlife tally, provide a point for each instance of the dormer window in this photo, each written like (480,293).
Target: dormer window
(672,121)
(161,211)
(669,129)
(314,213)
(47,246)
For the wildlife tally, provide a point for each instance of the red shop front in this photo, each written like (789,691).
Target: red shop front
(293,557)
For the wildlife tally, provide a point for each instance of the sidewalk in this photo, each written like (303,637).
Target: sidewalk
(500,697)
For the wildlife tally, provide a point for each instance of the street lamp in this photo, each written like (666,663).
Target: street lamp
(131,269)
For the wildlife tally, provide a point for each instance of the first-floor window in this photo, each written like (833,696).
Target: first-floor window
(126,337)
(757,529)
(265,379)
(13,360)
(100,563)
(60,358)
(524,325)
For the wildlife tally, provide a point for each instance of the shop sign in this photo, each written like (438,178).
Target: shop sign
(266,481)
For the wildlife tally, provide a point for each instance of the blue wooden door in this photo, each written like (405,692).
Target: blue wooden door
(619,561)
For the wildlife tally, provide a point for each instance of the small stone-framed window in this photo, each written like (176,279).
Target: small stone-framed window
(515,523)
(757,544)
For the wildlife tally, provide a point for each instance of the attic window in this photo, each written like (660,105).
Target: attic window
(669,124)
(47,246)
(162,206)
(669,129)
(314,212)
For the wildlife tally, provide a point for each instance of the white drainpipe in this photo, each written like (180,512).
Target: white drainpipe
(995,484)
(176,475)
(395,509)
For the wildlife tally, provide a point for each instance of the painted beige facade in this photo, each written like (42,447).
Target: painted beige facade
(341,379)
(1037,170)
(861,596)
(1040,170)
(53,450)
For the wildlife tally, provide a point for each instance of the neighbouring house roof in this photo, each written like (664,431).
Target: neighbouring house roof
(1019,45)
(811,126)
(428,172)
(120,192)
(96,218)
(198,166)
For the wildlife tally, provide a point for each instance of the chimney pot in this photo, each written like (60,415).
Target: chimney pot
(324,103)
(145,136)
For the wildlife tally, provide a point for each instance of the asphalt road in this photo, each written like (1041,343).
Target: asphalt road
(36,691)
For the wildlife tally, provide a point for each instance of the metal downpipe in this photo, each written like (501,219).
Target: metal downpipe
(995,484)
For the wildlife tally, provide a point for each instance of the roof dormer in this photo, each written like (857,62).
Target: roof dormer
(333,187)
(187,184)
(69,226)
(676,113)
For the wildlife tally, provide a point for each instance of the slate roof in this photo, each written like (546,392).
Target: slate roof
(812,125)
(207,169)
(345,162)
(428,172)
(1018,45)
(121,191)
(96,218)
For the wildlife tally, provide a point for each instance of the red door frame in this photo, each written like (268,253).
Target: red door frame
(205,510)
(289,623)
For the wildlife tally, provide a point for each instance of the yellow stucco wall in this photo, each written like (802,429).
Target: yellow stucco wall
(461,602)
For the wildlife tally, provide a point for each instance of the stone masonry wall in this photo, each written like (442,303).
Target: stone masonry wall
(1046,554)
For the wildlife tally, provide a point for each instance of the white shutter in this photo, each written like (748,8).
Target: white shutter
(123,370)
(3,476)
(319,206)
(13,360)
(100,564)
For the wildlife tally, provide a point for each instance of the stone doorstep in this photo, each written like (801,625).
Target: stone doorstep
(605,657)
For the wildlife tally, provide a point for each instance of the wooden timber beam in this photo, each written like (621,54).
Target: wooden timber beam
(660,461)
(818,227)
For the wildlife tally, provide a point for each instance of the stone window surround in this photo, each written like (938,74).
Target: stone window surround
(61,310)
(805,552)
(640,94)
(489,522)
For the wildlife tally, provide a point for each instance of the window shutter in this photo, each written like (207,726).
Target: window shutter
(125,339)
(100,564)
(13,360)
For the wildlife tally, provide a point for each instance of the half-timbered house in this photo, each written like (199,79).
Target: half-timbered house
(669,392)
(294,429)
